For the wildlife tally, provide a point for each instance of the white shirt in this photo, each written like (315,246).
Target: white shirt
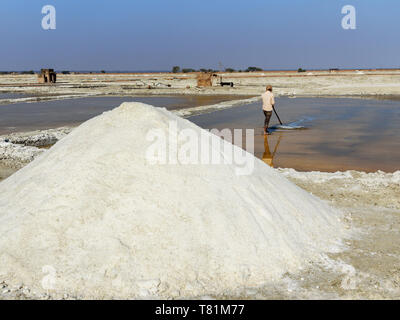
(268,100)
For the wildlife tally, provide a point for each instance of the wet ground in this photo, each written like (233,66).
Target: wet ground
(20,117)
(341,134)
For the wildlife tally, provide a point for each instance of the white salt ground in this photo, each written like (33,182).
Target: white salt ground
(15,155)
(113,226)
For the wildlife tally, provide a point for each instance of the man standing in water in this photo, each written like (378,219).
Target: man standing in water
(268,105)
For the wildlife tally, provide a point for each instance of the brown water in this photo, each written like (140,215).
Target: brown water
(22,117)
(342,134)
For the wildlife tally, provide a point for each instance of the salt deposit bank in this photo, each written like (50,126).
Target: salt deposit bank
(109,224)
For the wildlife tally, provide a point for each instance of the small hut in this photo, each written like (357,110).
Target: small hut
(47,76)
(205,79)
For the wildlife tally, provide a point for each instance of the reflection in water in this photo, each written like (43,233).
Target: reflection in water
(344,134)
(268,157)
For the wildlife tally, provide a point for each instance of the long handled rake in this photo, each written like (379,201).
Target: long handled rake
(277,115)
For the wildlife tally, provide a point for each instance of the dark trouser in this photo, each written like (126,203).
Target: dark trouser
(267,115)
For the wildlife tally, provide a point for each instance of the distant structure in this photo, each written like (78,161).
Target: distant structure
(334,70)
(225,83)
(47,76)
(205,79)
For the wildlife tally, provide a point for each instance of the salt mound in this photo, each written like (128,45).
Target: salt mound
(91,217)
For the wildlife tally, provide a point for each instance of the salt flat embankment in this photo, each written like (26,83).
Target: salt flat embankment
(287,83)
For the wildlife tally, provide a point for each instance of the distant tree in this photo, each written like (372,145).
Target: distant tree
(102,71)
(176,69)
(28,72)
(253,69)
(229,70)
(65,72)
(188,70)
(301,70)
(203,70)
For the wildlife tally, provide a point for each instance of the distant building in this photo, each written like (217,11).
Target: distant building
(47,76)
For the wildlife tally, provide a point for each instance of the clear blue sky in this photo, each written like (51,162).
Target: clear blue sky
(158,34)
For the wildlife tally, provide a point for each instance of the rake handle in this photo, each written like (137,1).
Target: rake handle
(273,107)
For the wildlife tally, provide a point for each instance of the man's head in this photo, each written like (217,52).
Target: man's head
(269,87)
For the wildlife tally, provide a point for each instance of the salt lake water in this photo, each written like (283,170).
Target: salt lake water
(21,117)
(342,133)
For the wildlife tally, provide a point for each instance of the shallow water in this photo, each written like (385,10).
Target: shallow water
(11,95)
(341,133)
(20,117)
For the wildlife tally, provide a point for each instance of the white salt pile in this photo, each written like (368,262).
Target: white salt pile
(91,217)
